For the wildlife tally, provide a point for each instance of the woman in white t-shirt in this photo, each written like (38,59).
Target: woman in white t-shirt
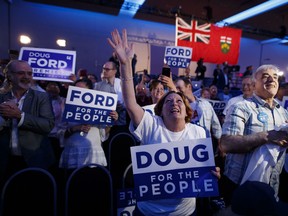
(170,123)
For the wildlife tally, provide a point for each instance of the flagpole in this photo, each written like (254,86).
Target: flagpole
(176,26)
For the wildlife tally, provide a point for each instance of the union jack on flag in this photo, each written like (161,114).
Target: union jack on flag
(193,32)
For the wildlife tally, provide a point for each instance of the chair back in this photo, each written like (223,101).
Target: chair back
(31,191)
(89,191)
(119,155)
(126,201)
(128,179)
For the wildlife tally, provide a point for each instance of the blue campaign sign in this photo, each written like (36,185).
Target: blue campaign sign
(126,202)
(89,106)
(174,170)
(178,57)
(218,106)
(50,64)
(285,102)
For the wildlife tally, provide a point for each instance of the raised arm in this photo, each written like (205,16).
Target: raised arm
(125,55)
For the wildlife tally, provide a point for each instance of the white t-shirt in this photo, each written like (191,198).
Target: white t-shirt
(152,130)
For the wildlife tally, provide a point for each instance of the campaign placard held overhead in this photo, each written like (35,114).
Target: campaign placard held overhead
(178,57)
(88,106)
(174,170)
(50,64)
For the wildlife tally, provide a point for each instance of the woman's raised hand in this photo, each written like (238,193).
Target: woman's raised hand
(120,45)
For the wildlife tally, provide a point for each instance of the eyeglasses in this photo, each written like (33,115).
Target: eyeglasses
(21,73)
(107,69)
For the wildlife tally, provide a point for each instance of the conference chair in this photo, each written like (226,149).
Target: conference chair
(126,201)
(31,191)
(89,191)
(119,155)
(128,179)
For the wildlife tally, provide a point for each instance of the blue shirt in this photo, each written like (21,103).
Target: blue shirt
(244,118)
(206,117)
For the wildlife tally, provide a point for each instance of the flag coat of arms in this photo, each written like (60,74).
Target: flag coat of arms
(212,43)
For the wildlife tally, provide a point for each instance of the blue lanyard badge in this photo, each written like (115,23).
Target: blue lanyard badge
(262,117)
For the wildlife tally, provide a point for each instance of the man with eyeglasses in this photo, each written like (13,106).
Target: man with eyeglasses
(110,83)
(27,119)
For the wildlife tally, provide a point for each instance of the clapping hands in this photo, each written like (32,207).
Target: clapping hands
(9,109)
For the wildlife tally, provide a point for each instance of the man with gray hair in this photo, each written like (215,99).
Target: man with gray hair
(250,125)
(247,92)
(28,119)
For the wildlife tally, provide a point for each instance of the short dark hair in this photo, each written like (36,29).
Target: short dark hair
(85,80)
(185,80)
(114,64)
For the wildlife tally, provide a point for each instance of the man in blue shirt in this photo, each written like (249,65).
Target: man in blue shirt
(248,126)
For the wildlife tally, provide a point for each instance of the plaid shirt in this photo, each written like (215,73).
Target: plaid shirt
(248,117)
(206,117)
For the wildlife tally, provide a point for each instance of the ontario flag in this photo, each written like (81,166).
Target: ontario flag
(212,43)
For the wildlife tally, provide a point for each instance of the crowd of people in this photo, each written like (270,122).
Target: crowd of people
(249,137)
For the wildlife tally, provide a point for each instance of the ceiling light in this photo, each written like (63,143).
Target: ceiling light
(284,41)
(272,40)
(61,42)
(261,8)
(130,7)
(24,39)
(275,40)
(280,73)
